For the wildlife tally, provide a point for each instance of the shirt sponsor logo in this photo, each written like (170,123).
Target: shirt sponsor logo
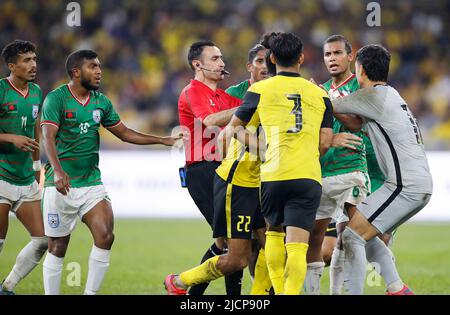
(53,220)
(211,102)
(97,115)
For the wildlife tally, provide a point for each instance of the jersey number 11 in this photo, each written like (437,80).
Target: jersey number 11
(297,112)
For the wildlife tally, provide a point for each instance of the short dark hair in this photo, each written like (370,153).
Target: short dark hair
(375,61)
(254,51)
(14,49)
(76,59)
(196,50)
(286,47)
(339,38)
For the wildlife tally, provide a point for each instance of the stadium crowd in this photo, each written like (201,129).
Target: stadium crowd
(143,44)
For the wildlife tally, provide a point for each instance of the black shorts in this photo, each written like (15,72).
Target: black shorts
(291,202)
(199,182)
(331,230)
(234,210)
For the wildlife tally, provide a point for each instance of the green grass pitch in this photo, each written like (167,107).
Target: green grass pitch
(146,250)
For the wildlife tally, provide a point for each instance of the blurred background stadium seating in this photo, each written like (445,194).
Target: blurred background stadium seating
(143,46)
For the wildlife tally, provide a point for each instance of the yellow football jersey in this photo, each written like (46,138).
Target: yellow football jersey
(241,167)
(291,111)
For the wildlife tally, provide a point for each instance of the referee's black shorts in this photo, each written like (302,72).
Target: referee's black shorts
(291,202)
(200,183)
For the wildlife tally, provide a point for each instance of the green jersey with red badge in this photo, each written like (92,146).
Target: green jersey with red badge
(339,161)
(376,176)
(18,114)
(78,139)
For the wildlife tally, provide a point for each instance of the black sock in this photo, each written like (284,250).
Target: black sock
(199,289)
(233,282)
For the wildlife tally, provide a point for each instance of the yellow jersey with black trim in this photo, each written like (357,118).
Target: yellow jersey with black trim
(241,167)
(291,111)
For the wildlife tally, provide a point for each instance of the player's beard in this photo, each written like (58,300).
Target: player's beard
(87,84)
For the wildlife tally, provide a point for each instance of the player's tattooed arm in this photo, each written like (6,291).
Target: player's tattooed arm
(61,179)
(135,137)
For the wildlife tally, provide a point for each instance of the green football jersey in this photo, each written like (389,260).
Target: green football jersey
(18,114)
(342,160)
(239,90)
(78,139)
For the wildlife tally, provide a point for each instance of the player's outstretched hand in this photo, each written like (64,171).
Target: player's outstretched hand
(346,140)
(170,141)
(25,144)
(62,182)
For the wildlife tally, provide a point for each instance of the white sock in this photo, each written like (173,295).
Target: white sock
(355,261)
(26,261)
(313,276)
(52,271)
(337,271)
(1,244)
(98,265)
(378,253)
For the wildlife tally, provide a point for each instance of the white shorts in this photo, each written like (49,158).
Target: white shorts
(60,212)
(340,189)
(15,195)
(389,207)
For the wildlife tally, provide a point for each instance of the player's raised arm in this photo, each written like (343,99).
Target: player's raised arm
(135,137)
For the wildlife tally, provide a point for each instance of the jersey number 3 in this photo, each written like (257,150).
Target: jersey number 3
(297,112)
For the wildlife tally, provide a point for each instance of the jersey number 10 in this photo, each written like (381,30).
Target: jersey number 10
(297,112)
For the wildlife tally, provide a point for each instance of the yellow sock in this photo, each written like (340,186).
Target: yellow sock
(204,273)
(276,259)
(295,271)
(261,283)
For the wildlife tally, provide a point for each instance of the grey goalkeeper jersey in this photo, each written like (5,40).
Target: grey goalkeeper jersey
(394,134)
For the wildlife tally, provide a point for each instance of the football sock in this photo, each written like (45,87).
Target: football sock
(313,275)
(199,289)
(206,272)
(276,259)
(377,252)
(233,282)
(27,259)
(52,270)
(98,265)
(337,271)
(355,261)
(295,270)
(261,282)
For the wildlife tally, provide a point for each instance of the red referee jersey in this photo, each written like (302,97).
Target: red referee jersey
(195,103)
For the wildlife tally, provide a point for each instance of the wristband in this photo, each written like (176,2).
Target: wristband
(37,166)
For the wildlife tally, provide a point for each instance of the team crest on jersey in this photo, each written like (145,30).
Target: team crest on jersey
(97,115)
(35,111)
(53,220)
